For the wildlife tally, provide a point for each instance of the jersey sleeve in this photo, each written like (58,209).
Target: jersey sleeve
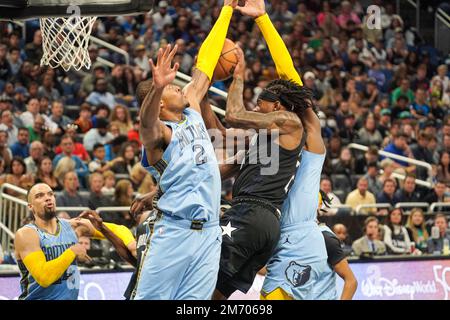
(334,250)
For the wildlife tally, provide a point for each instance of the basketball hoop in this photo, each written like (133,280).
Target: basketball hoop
(65,41)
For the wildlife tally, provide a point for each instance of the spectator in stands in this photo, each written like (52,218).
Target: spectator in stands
(78,148)
(420,109)
(102,111)
(369,134)
(96,197)
(421,152)
(396,236)
(84,121)
(417,229)
(1,254)
(70,196)
(34,50)
(408,193)
(346,164)
(370,156)
(110,182)
(327,186)
(85,242)
(5,152)
(99,71)
(436,245)
(341,233)
(100,95)
(65,165)
(67,146)
(22,146)
(141,179)
(348,133)
(98,164)
(442,75)
(45,174)
(162,18)
(361,196)
(47,89)
(99,134)
(387,195)
(7,119)
(375,186)
(400,147)
(443,173)
(37,129)
(28,116)
(133,133)
(438,193)
(120,116)
(58,117)
(369,242)
(36,154)
(400,107)
(123,196)
(17,175)
(126,160)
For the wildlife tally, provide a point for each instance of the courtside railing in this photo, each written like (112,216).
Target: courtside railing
(12,211)
(415,162)
(441,31)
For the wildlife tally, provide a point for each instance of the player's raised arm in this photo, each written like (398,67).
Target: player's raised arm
(238,117)
(28,250)
(277,47)
(208,56)
(120,236)
(153,132)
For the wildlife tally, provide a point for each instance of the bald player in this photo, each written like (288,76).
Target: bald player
(47,249)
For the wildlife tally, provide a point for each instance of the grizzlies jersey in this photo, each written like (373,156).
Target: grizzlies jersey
(65,288)
(303,199)
(188,173)
(267,171)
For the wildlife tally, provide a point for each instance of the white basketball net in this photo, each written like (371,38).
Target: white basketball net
(65,42)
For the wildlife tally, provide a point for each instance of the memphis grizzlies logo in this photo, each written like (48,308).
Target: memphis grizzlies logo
(298,274)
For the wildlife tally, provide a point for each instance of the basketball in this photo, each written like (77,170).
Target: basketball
(227,62)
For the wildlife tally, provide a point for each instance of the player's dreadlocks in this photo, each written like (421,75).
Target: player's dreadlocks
(292,96)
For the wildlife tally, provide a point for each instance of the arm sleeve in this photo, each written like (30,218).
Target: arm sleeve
(47,272)
(122,232)
(280,54)
(211,48)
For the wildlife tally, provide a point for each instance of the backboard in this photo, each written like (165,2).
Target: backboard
(28,9)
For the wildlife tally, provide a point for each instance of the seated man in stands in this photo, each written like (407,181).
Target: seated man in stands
(369,243)
(434,244)
(67,146)
(408,193)
(387,195)
(361,196)
(70,196)
(399,146)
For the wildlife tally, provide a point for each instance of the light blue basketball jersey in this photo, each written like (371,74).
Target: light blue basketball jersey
(188,174)
(301,254)
(65,288)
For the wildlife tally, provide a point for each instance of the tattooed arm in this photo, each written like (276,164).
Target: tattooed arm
(153,132)
(237,116)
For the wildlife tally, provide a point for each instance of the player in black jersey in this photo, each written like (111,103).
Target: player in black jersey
(251,226)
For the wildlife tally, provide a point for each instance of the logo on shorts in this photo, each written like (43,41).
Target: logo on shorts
(297,274)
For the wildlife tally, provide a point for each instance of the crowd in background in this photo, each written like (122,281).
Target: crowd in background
(382,88)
